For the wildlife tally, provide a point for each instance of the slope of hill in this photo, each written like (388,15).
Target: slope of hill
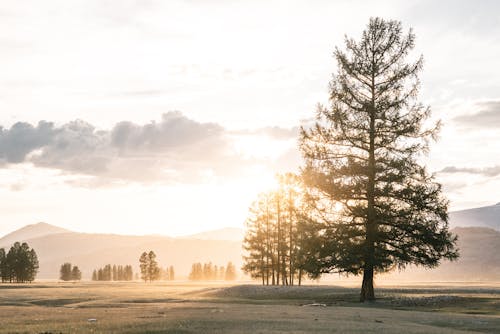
(486,216)
(29,232)
(479,259)
(228,233)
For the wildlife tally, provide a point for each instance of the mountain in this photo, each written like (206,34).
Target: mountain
(487,216)
(90,251)
(228,233)
(479,259)
(29,232)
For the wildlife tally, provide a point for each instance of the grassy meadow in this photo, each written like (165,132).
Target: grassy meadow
(185,307)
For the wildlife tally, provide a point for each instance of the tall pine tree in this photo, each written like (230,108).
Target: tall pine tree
(378,206)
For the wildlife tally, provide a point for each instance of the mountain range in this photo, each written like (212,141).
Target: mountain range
(55,245)
(478,231)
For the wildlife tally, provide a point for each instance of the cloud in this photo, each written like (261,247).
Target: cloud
(22,138)
(487,171)
(173,149)
(488,116)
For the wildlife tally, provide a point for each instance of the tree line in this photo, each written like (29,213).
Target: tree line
(278,230)
(366,204)
(19,264)
(209,272)
(113,273)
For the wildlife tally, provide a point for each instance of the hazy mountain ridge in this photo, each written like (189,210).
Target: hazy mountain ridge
(486,216)
(227,233)
(30,232)
(90,251)
(479,260)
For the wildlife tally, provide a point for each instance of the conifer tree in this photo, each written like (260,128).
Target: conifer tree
(150,271)
(230,272)
(76,274)
(378,206)
(3,266)
(171,273)
(65,272)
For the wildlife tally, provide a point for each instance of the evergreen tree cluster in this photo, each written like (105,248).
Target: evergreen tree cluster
(278,231)
(167,273)
(113,273)
(69,272)
(210,272)
(150,271)
(19,265)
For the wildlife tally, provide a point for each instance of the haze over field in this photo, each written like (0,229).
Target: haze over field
(118,117)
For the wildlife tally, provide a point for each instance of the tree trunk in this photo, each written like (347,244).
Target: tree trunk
(367,291)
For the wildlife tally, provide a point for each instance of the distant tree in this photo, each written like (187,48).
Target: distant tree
(129,273)
(143,265)
(274,242)
(20,264)
(65,272)
(4,267)
(171,273)
(222,273)
(76,274)
(196,273)
(107,273)
(378,206)
(208,271)
(150,271)
(230,272)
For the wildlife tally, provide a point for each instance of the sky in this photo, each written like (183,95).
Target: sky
(169,117)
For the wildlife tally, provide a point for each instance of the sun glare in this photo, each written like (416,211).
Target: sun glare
(261,146)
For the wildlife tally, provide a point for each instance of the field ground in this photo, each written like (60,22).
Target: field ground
(185,307)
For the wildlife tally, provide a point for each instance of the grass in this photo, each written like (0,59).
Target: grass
(184,307)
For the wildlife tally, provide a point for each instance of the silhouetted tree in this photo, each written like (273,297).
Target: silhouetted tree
(65,272)
(222,273)
(4,268)
(273,241)
(378,206)
(107,273)
(230,272)
(76,274)
(196,273)
(150,271)
(171,273)
(129,273)
(19,265)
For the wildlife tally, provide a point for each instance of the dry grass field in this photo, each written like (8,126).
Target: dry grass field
(185,307)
